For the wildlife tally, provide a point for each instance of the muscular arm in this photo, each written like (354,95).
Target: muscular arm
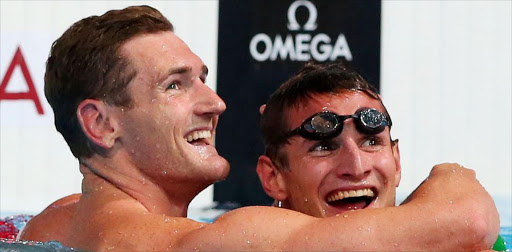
(449,211)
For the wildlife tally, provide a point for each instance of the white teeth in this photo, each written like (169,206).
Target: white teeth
(351,193)
(197,135)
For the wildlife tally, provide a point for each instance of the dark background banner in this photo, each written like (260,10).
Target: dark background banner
(264,42)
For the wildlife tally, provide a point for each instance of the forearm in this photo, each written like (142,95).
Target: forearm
(415,227)
(469,214)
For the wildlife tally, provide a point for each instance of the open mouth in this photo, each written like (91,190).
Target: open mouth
(200,137)
(351,199)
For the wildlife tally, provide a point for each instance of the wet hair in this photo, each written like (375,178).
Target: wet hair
(85,63)
(312,79)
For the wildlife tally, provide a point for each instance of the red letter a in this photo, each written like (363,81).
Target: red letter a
(31,94)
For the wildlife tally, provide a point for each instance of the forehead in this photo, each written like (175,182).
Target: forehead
(344,103)
(154,54)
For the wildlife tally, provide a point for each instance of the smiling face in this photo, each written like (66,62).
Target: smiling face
(348,172)
(169,131)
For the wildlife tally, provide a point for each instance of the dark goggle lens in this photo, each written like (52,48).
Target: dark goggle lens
(326,124)
(371,121)
(322,123)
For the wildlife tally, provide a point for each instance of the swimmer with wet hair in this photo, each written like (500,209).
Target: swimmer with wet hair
(130,100)
(333,152)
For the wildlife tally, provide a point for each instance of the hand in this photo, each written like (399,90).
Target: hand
(454,194)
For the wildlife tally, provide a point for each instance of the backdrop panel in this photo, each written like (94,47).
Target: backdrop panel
(263,43)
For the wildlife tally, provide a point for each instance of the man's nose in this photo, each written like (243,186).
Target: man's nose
(351,163)
(208,101)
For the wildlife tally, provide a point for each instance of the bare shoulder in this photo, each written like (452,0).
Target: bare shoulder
(53,222)
(124,225)
(68,200)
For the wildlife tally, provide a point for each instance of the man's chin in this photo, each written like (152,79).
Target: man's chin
(215,169)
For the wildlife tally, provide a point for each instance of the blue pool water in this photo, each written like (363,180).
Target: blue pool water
(506,233)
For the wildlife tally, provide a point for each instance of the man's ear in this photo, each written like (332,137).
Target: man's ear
(271,179)
(97,123)
(396,156)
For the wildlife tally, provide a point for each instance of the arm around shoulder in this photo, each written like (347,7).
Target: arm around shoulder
(449,211)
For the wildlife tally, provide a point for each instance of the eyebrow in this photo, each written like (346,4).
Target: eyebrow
(180,70)
(184,69)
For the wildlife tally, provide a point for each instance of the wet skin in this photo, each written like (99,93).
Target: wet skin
(350,161)
(171,102)
(135,196)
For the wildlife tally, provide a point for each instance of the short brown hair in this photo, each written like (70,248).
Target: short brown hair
(313,78)
(85,63)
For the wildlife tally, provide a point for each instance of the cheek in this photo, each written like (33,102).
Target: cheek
(308,174)
(384,163)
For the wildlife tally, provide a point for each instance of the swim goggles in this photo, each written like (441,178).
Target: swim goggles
(326,124)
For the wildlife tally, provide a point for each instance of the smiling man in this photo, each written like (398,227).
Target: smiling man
(130,100)
(339,155)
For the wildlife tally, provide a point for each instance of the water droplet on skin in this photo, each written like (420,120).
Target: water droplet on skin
(345,215)
(202,151)
(248,242)
(451,202)
(158,146)
(164,172)
(110,212)
(305,199)
(166,220)
(122,110)
(153,100)
(396,245)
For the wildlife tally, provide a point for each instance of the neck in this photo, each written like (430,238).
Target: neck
(112,176)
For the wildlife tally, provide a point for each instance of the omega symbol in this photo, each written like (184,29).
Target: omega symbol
(301,46)
(292,19)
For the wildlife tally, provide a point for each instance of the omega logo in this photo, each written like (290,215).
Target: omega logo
(301,46)
(292,20)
